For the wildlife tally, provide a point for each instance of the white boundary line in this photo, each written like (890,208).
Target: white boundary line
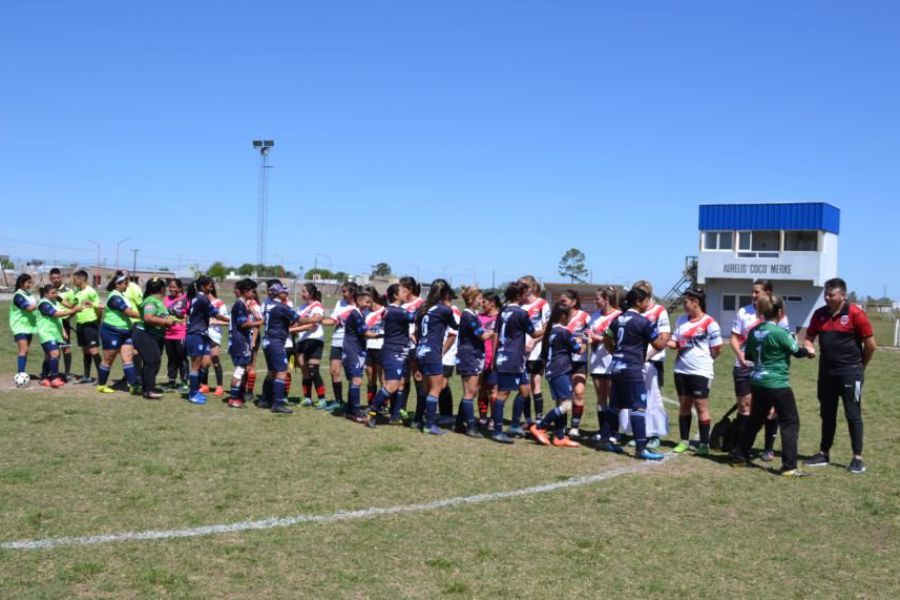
(366,513)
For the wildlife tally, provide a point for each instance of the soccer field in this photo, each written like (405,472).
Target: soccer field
(78,463)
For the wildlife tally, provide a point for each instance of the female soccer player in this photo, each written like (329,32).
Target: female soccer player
(176,354)
(375,325)
(608,301)
(561,345)
(310,344)
(770,348)
(435,317)
(353,356)
(279,318)
(87,323)
(394,356)
(215,337)
(256,313)
(115,334)
(240,339)
(200,313)
(628,338)
(409,294)
(343,307)
(150,332)
(445,399)
(538,311)
(22,319)
(470,358)
(698,339)
(51,333)
(578,326)
(487,389)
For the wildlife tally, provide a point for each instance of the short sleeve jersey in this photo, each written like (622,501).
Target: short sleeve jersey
(354,334)
(600,357)
(539,313)
(86,295)
(770,348)
(632,333)
(578,324)
(562,347)
(469,340)
(200,312)
(239,336)
(309,311)
(396,332)
(659,316)
(840,338)
(512,326)
(278,319)
(431,328)
(375,324)
(745,320)
(340,312)
(695,340)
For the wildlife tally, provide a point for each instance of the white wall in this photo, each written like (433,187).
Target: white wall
(798,313)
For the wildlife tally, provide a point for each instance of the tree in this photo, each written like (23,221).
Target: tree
(571,265)
(382,269)
(246,269)
(341,276)
(218,271)
(319,274)
(7,264)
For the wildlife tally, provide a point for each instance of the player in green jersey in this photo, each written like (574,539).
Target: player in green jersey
(51,333)
(22,318)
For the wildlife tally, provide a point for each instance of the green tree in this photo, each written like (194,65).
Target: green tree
(319,274)
(218,271)
(7,264)
(382,269)
(341,276)
(571,265)
(246,269)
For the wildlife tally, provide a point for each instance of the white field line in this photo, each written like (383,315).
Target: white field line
(349,515)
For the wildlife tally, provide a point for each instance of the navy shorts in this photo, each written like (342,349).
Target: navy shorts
(50,346)
(561,388)
(510,382)
(469,366)
(276,358)
(242,360)
(112,338)
(431,369)
(489,378)
(23,336)
(629,394)
(354,366)
(197,345)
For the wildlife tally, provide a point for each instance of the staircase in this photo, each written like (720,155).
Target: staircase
(672,300)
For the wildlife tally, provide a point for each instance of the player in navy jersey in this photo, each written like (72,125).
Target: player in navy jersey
(433,320)
(240,339)
(353,356)
(335,353)
(411,301)
(512,326)
(394,355)
(627,339)
(279,317)
(559,346)
(374,321)
(470,358)
(197,342)
(487,389)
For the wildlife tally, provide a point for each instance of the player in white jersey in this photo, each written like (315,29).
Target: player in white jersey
(608,301)
(342,309)
(215,336)
(538,310)
(311,343)
(374,317)
(745,320)
(411,302)
(698,339)
(578,326)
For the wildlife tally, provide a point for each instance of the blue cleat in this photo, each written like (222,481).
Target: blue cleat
(610,447)
(197,398)
(648,455)
(433,430)
(515,431)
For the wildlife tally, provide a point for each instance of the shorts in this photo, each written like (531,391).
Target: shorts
(23,336)
(448,371)
(67,328)
(240,361)
(88,335)
(741,381)
(489,378)
(534,367)
(430,370)
(579,368)
(336,353)
(695,386)
(276,358)
(394,370)
(467,367)
(354,365)
(561,388)
(660,371)
(310,349)
(197,345)
(112,338)
(50,346)
(601,376)
(629,394)
(373,357)
(510,382)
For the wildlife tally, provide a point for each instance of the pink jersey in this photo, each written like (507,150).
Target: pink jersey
(177,307)
(488,322)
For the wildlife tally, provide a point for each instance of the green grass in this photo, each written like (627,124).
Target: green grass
(80,463)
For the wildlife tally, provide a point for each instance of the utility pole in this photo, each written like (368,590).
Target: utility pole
(262,225)
(134,261)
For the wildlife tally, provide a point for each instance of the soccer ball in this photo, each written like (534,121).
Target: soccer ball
(21,380)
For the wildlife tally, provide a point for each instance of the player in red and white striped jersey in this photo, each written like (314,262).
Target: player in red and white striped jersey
(311,343)
(578,326)
(375,324)
(341,311)
(538,310)
(608,301)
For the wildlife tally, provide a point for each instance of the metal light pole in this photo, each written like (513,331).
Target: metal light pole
(262,226)
(97,268)
(119,245)
(134,263)
(316,263)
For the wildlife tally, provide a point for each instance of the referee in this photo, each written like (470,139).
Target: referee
(846,344)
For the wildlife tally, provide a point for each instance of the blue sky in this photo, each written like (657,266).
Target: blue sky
(458,137)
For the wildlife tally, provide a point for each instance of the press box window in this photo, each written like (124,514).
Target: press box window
(801,241)
(718,240)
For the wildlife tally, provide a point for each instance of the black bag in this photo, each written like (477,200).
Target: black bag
(724,433)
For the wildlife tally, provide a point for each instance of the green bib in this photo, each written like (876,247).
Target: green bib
(49,329)
(20,321)
(88,294)
(116,318)
(159,310)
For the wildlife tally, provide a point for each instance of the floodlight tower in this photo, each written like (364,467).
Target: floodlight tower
(264,146)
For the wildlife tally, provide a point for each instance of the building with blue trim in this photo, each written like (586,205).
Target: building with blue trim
(795,245)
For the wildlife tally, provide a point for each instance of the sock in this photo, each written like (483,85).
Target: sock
(352,400)
(482,406)
(771,431)
(538,406)
(236,393)
(498,415)
(431,409)
(404,396)
(371,389)
(468,409)
(220,376)
(251,380)
(307,387)
(97,362)
(102,374)
(549,420)
(378,401)
(684,426)
(518,407)
(704,432)
(739,423)
(338,387)
(287,384)
(395,405)
(21,361)
(45,367)
(194,379)
(639,429)
(526,409)
(86,364)
(421,400)
(53,368)
(316,376)
(130,374)
(577,412)
(67,363)
(204,376)
(560,426)
(608,419)
(278,391)
(445,401)
(267,390)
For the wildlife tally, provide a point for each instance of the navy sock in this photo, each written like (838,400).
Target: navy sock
(102,374)
(431,408)
(53,368)
(395,405)
(445,402)
(607,420)
(278,391)
(560,426)
(420,402)
(267,390)
(194,379)
(404,396)
(526,409)
(45,367)
(639,429)
(468,411)
(21,362)
(549,420)
(352,400)
(498,415)
(380,396)
(204,376)
(518,407)
(538,406)
(236,393)
(130,374)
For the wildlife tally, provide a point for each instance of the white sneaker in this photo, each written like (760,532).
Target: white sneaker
(574,432)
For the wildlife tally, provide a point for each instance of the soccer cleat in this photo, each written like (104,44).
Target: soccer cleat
(321,404)
(235,403)
(105,389)
(45,382)
(184,389)
(653,443)
(540,435)
(795,473)
(263,404)
(415,425)
(355,418)
(85,380)
(631,443)
(819,459)
(738,461)
(307,402)
(565,443)
(682,446)
(501,438)
(574,432)
(473,432)
(370,421)
(281,409)
(219,391)
(767,456)
(396,422)
(646,454)
(204,389)
(515,431)
(857,466)
(152,396)
(703,450)
(136,390)
(433,430)
(611,447)
(403,414)
(58,382)
(333,406)
(197,398)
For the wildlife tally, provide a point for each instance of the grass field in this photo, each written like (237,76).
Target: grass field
(79,463)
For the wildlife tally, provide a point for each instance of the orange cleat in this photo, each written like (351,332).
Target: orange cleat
(540,435)
(565,443)
(219,391)
(57,383)
(45,382)
(204,389)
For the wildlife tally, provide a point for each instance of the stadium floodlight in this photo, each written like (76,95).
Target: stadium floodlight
(263,210)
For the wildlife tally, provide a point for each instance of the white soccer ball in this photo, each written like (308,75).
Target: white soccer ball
(21,380)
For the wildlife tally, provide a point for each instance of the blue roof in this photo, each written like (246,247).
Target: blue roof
(792,216)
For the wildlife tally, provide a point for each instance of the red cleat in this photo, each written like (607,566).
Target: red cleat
(219,391)
(45,383)
(540,435)
(565,443)
(204,389)
(57,383)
